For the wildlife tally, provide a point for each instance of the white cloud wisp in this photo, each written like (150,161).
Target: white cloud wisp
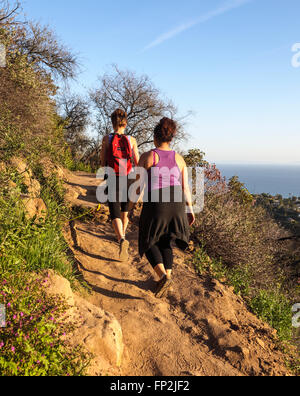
(233,4)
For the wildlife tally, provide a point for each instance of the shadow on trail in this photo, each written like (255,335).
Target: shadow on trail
(109,238)
(148,285)
(83,186)
(77,247)
(112,294)
(143,285)
(88,175)
(96,256)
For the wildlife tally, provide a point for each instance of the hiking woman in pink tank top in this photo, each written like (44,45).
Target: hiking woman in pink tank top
(167,210)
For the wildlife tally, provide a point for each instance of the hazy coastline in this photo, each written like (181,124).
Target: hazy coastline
(283,179)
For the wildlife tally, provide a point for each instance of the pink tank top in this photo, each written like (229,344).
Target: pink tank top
(166,173)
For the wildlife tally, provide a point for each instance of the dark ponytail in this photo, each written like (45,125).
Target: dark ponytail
(119,119)
(165,131)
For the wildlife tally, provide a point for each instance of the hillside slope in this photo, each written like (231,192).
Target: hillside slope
(201,328)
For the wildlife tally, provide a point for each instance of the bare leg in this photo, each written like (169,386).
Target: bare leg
(125,221)
(169,274)
(118,227)
(160,271)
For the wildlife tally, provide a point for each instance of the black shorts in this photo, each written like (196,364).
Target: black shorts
(118,197)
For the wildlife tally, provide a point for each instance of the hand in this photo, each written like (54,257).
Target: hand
(191,218)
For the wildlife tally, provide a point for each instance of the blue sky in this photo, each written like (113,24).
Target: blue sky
(228,61)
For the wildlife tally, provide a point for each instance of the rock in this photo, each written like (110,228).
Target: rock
(49,168)
(103,218)
(100,333)
(20,165)
(57,285)
(261,343)
(34,207)
(61,172)
(12,185)
(222,334)
(71,193)
(218,299)
(33,186)
(97,331)
(245,352)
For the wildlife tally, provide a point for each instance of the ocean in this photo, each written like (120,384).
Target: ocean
(271,179)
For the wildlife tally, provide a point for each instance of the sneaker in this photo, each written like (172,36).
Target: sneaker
(163,286)
(124,246)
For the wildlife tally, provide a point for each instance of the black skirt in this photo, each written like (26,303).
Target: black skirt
(164,219)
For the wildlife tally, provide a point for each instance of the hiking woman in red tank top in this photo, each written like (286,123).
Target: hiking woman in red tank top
(119,154)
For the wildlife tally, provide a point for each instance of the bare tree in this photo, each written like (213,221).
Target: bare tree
(142,101)
(38,43)
(93,153)
(43,50)
(8,12)
(76,115)
(33,57)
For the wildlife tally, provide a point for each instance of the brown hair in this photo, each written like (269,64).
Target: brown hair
(165,131)
(119,119)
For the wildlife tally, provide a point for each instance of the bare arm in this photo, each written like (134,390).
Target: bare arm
(141,164)
(186,188)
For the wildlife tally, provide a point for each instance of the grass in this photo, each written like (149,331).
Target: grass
(274,308)
(237,277)
(74,165)
(271,306)
(36,244)
(31,344)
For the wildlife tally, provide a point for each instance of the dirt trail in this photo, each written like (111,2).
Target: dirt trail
(201,328)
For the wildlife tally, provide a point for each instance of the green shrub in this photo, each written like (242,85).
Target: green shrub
(240,193)
(36,244)
(32,342)
(239,278)
(80,166)
(239,235)
(275,309)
